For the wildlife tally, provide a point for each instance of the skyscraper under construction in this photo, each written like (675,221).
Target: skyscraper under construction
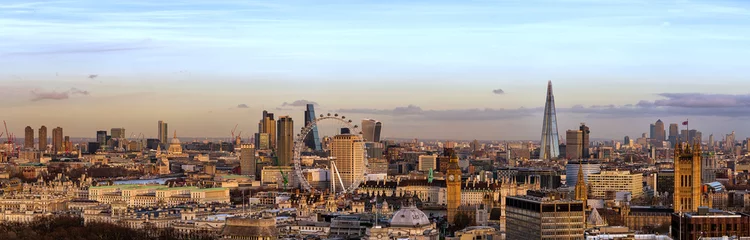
(550,148)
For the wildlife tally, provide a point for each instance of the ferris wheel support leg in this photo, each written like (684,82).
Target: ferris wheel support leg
(338,175)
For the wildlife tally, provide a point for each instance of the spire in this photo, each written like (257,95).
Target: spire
(454,158)
(550,148)
(175,133)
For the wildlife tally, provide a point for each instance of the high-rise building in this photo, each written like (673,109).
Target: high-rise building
(28,138)
(371,130)
(57,140)
(267,125)
(573,144)
(67,145)
(544,215)
(711,142)
(312,140)
(43,138)
(687,178)
(550,145)
(585,132)
(163,132)
(117,133)
(427,163)
(101,137)
(349,155)
(626,141)
(729,142)
(659,133)
(674,134)
(652,131)
(247,159)
(285,138)
(453,185)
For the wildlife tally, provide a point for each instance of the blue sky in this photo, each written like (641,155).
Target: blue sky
(191,62)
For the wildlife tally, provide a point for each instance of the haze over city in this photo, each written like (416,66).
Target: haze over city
(426,69)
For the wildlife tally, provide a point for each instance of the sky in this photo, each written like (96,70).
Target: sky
(426,69)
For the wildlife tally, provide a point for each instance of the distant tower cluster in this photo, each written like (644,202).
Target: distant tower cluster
(550,145)
(266,137)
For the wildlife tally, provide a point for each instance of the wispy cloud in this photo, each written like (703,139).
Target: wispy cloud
(87,48)
(298,103)
(498,91)
(242,106)
(38,95)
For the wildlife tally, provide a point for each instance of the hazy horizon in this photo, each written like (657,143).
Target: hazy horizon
(426,69)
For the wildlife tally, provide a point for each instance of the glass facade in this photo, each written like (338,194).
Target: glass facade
(550,145)
(312,140)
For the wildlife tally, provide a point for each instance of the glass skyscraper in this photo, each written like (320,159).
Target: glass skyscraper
(312,140)
(550,140)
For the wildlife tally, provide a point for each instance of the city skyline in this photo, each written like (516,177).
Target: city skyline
(475,70)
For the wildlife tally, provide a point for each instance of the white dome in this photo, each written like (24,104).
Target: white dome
(409,216)
(174,141)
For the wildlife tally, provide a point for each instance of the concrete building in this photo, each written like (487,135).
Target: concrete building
(42,139)
(573,144)
(615,181)
(427,163)
(544,215)
(710,223)
(247,159)
(57,140)
(285,138)
(28,140)
(349,155)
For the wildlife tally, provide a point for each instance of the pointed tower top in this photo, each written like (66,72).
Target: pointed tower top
(454,158)
(175,133)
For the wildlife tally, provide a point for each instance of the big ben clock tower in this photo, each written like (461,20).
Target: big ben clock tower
(453,183)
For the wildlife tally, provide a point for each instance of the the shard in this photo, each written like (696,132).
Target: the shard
(550,140)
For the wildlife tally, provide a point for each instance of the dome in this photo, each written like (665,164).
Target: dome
(174,141)
(409,216)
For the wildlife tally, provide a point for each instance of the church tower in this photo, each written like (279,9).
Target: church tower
(582,192)
(687,177)
(454,188)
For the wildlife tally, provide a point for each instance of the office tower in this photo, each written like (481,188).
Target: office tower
(573,144)
(28,139)
(651,131)
(247,159)
(43,138)
(550,148)
(263,141)
(585,133)
(349,155)
(101,137)
(729,142)
(378,128)
(117,133)
(659,131)
(163,132)
(674,134)
(626,141)
(687,181)
(285,138)
(312,140)
(371,130)
(453,187)
(267,125)
(544,215)
(427,163)
(57,140)
(711,141)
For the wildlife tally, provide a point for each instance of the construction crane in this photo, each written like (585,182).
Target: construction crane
(233,129)
(7,135)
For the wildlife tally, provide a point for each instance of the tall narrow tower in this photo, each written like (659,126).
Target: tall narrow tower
(454,188)
(43,138)
(312,140)
(550,148)
(581,190)
(28,140)
(285,138)
(687,177)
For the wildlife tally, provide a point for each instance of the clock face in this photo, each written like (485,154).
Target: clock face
(451,177)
